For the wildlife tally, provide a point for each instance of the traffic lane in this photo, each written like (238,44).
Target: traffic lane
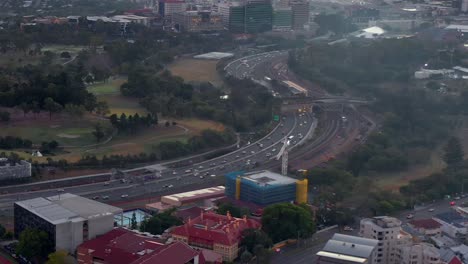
(440,206)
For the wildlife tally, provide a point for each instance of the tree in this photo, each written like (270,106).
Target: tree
(2,231)
(25,107)
(65,55)
(453,151)
(254,237)
(4,116)
(102,108)
(74,110)
(34,244)
(60,257)
(52,106)
(160,222)
(284,221)
(133,222)
(98,132)
(246,257)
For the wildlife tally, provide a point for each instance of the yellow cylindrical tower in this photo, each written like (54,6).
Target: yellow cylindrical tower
(301,191)
(238,187)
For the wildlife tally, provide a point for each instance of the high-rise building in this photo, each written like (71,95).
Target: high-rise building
(258,17)
(300,13)
(196,21)
(282,19)
(167,8)
(387,230)
(464,5)
(247,16)
(67,218)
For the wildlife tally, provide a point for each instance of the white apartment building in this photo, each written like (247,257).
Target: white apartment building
(421,253)
(67,218)
(387,230)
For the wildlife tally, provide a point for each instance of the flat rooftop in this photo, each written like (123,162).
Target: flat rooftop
(348,248)
(268,178)
(67,207)
(206,193)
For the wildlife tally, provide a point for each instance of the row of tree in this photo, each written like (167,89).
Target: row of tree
(132,124)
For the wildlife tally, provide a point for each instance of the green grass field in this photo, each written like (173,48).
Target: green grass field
(118,104)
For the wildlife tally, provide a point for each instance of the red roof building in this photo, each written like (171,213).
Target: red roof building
(429,227)
(124,246)
(220,233)
(455,260)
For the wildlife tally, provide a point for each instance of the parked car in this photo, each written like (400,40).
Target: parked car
(409,216)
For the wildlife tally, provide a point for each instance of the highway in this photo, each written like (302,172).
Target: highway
(142,182)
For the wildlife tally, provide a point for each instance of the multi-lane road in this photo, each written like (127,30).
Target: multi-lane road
(155,180)
(294,126)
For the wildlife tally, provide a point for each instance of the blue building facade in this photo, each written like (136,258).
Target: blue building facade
(268,188)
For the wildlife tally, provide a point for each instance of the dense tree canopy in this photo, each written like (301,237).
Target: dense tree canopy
(160,222)
(285,220)
(34,244)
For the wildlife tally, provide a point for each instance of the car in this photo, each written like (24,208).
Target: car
(60,190)
(273,150)
(200,167)
(457,198)
(105,197)
(212,175)
(106,183)
(252,152)
(409,216)
(96,198)
(348,228)
(123,181)
(202,177)
(124,195)
(188,171)
(452,203)
(170,186)
(174,172)
(431,210)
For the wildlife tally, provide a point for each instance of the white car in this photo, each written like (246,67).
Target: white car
(124,196)
(212,175)
(431,210)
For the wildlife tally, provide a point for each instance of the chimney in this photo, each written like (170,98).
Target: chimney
(189,220)
(228,214)
(201,215)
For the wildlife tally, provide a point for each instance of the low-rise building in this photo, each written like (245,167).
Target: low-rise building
(428,227)
(421,253)
(123,246)
(220,233)
(346,249)
(452,224)
(13,171)
(67,218)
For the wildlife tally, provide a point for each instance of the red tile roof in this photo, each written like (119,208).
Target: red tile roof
(191,212)
(4,260)
(124,246)
(455,260)
(425,223)
(210,228)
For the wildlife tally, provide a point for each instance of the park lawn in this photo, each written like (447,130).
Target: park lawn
(119,104)
(195,70)
(111,87)
(66,133)
(195,126)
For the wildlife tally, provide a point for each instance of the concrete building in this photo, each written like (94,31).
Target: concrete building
(67,218)
(387,230)
(247,16)
(219,233)
(265,188)
(123,246)
(428,227)
(421,253)
(452,224)
(167,8)
(344,249)
(300,13)
(11,170)
(282,19)
(187,198)
(197,21)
